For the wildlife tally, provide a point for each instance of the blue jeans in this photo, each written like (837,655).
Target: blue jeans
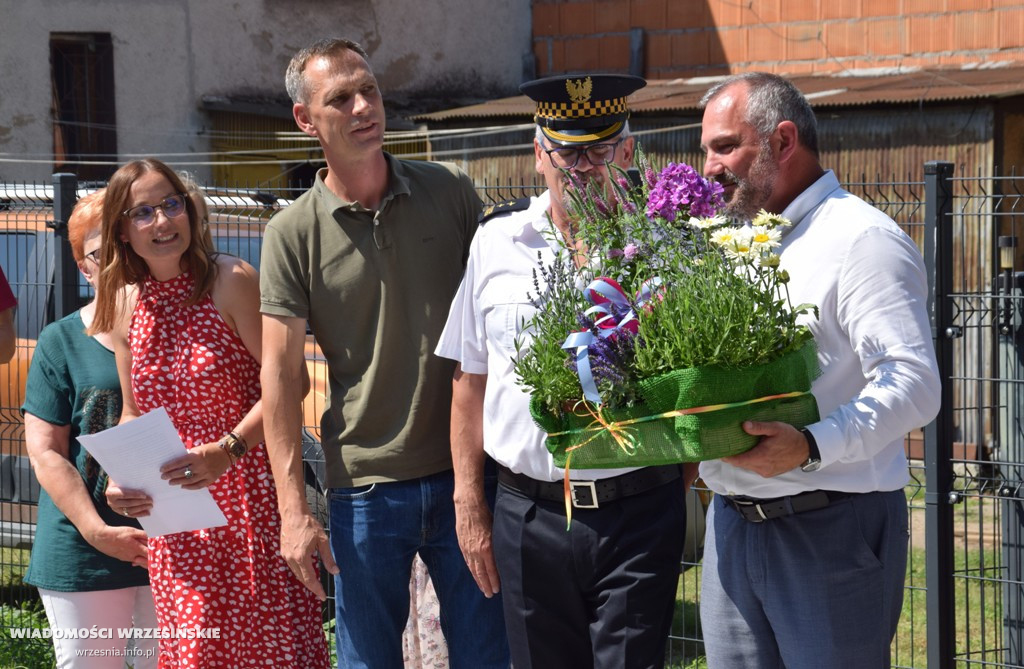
(376,531)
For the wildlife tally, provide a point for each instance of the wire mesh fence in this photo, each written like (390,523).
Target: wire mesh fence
(26,252)
(971,511)
(984,326)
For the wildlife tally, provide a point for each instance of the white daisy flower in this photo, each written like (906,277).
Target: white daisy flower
(764,238)
(770,220)
(724,236)
(708,222)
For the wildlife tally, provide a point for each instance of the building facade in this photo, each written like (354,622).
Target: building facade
(84,86)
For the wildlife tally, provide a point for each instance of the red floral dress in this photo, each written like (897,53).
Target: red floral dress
(229,580)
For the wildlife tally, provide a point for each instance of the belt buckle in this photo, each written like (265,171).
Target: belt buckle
(756,506)
(590,488)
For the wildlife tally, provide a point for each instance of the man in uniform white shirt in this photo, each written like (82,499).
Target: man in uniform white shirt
(602,593)
(806,543)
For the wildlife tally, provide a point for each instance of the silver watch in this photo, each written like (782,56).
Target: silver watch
(813,461)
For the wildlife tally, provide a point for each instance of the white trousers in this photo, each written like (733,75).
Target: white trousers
(107,611)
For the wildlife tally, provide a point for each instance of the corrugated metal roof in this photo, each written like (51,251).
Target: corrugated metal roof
(835,90)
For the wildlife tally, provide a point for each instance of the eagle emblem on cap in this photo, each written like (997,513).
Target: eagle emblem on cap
(579,90)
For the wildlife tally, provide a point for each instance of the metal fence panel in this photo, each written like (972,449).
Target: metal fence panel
(983,329)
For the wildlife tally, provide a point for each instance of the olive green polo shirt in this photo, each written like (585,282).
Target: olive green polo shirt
(375,287)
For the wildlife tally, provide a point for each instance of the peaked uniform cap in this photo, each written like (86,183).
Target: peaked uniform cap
(582,108)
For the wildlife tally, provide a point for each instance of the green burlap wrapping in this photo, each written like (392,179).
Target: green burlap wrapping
(693,437)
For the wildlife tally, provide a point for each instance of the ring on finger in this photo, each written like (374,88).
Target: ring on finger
(189,473)
(124,511)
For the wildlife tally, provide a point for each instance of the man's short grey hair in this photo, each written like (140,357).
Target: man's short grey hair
(772,100)
(542,138)
(295,82)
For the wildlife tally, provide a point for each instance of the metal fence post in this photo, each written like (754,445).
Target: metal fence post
(1009,371)
(65,278)
(938,436)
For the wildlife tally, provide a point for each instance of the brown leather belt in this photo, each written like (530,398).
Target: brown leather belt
(759,510)
(591,494)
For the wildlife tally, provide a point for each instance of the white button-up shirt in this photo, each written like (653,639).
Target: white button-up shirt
(879,376)
(488,315)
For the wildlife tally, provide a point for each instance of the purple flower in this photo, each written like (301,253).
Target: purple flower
(622,195)
(599,203)
(610,357)
(679,189)
(630,251)
(575,182)
(650,177)
(586,322)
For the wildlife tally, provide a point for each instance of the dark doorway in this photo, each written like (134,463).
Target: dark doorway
(84,122)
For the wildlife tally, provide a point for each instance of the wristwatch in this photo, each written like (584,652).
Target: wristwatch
(813,461)
(234,445)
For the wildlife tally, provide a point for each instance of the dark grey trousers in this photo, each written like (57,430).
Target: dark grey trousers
(817,590)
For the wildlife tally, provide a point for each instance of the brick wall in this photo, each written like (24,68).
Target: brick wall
(709,37)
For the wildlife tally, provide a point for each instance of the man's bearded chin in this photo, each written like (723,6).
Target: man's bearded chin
(750,194)
(733,206)
(738,206)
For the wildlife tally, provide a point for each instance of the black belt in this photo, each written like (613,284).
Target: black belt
(760,510)
(591,494)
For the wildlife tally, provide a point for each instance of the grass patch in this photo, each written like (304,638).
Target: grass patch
(686,648)
(332,640)
(13,563)
(35,653)
(978,614)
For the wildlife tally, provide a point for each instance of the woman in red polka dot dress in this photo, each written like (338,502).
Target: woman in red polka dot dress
(192,346)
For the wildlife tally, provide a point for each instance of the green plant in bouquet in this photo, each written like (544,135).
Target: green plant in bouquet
(612,242)
(544,366)
(652,282)
(729,304)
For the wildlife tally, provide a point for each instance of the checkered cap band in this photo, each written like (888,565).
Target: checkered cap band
(589,109)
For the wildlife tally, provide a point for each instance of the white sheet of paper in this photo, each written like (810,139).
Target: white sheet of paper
(132,455)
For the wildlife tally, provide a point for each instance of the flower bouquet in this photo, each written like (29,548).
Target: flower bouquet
(661,327)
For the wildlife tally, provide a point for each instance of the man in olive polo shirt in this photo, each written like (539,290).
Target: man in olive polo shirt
(371,257)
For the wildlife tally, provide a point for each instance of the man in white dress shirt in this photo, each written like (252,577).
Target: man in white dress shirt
(806,544)
(602,593)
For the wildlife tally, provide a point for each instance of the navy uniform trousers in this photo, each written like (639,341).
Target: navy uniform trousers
(600,595)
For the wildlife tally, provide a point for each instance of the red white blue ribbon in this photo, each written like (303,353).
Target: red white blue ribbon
(602,293)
